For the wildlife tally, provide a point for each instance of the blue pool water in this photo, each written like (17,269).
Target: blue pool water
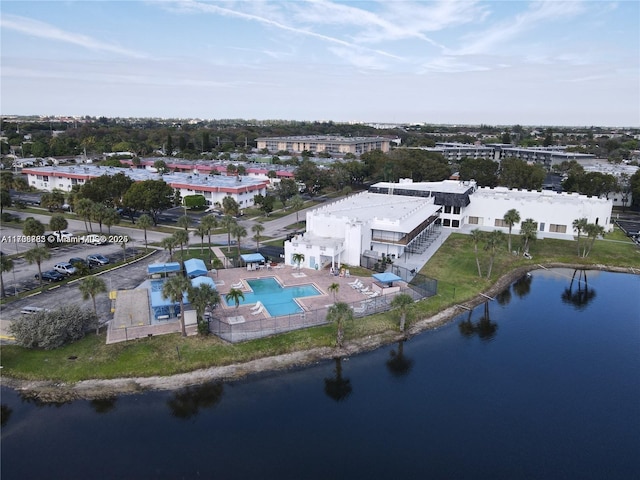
(278,300)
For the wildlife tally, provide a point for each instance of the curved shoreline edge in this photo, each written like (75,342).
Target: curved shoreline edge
(51,391)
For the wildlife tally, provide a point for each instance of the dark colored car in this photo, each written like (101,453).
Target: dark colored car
(51,276)
(97,260)
(79,263)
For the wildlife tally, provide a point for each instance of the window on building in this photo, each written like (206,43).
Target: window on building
(45,178)
(455,223)
(446,222)
(500,223)
(474,220)
(456,210)
(557,228)
(447,209)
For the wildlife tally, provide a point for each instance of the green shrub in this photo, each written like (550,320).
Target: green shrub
(53,329)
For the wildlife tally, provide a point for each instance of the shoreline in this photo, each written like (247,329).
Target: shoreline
(50,391)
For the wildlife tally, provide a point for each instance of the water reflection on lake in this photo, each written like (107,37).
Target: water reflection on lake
(543,382)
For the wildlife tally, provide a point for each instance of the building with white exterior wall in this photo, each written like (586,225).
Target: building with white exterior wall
(390,218)
(332,144)
(213,187)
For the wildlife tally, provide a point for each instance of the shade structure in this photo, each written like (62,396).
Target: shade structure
(252,258)
(163,267)
(386,277)
(197,281)
(195,267)
(162,306)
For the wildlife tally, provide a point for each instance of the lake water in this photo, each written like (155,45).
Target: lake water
(546,387)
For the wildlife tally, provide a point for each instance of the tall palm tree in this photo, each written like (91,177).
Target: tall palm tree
(6,265)
(145,222)
(239,232)
(234,295)
(201,297)
(528,232)
(90,287)
(297,203)
(593,231)
(511,218)
(402,303)
(37,255)
(57,222)
(257,229)
(182,238)
(334,287)
(98,212)
(83,208)
(579,225)
(228,222)
(174,289)
(339,313)
(111,217)
(494,240)
(169,243)
(200,231)
(209,222)
(185,222)
(476,238)
(298,258)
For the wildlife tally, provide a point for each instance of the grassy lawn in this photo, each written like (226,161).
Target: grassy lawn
(454,267)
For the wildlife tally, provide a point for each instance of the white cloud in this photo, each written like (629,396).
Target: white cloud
(36,28)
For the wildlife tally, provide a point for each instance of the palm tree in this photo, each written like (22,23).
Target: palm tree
(111,217)
(145,222)
(298,258)
(334,287)
(182,238)
(239,232)
(494,240)
(200,231)
(185,222)
(510,219)
(57,222)
(339,313)
(257,229)
(6,264)
(98,212)
(91,286)
(297,203)
(402,302)
(37,255)
(476,238)
(209,222)
(169,243)
(83,208)
(528,232)
(174,289)
(234,296)
(228,222)
(593,231)
(579,225)
(201,297)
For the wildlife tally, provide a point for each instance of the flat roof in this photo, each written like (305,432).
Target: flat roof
(445,186)
(532,195)
(324,139)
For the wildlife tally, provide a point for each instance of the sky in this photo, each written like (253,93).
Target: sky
(573,63)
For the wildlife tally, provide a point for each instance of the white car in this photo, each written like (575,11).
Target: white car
(95,239)
(62,234)
(65,268)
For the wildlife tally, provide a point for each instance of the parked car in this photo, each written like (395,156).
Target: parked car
(97,260)
(50,276)
(95,239)
(65,268)
(79,262)
(32,310)
(62,234)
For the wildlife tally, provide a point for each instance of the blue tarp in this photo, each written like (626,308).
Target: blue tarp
(195,267)
(203,281)
(386,277)
(163,267)
(252,258)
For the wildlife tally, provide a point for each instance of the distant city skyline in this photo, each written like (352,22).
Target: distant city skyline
(558,63)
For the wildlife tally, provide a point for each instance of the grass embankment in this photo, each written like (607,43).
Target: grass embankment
(454,267)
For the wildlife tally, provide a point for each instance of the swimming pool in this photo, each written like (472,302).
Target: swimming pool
(278,300)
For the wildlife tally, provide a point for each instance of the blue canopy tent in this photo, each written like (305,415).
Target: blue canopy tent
(163,268)
(386,277)
(250,258)
(196,282)
(195,267)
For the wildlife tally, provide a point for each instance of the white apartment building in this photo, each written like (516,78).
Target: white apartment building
(391,218)
(332,144)
(213,187)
